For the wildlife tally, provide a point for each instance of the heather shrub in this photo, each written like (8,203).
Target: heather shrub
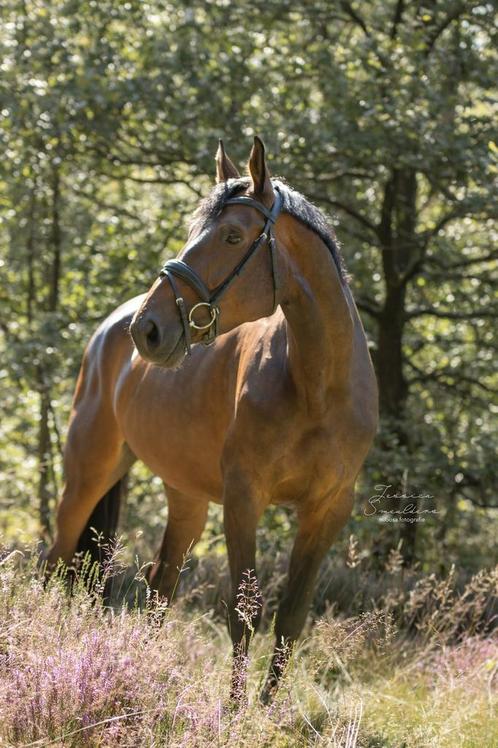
(75,673)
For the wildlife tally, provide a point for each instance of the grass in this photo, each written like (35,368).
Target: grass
(417,670)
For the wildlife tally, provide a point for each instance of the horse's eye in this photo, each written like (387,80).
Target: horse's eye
(233,238)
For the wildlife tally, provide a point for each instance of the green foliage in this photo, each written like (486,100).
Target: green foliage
(379,112)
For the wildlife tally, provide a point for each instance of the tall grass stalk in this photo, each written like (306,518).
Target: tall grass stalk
(418,669)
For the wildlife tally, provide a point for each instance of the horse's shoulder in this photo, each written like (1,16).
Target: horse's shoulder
(262,347)
(264,379)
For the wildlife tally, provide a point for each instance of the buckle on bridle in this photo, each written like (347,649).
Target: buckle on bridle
(213,311)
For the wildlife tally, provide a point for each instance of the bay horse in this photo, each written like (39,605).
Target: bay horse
(280,406)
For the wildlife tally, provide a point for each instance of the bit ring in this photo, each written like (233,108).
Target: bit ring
(213,311)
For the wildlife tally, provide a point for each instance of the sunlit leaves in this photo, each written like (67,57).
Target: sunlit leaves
(126,101)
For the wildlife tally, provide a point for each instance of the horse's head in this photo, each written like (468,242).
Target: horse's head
(225,275)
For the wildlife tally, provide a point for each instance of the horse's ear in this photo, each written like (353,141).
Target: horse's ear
(225,169)
(259,172)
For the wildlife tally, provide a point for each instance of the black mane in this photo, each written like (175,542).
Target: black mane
(293,203)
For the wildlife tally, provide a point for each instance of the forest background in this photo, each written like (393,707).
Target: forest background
(381,113)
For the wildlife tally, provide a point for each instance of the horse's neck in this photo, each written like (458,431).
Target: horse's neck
(320,317)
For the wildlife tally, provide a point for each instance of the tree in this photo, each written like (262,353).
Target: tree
(380,112)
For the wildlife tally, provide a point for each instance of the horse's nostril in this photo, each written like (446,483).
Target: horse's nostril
(152,334)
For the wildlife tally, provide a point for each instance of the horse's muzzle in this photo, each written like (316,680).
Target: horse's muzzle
(152,342)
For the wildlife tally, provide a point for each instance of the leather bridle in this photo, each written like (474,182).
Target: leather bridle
(178,269)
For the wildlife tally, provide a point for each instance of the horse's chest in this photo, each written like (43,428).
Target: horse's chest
(306,466)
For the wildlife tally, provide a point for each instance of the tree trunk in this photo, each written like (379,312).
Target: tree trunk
(44,456)
(399,252)
(53,301)
(30,251)
(392,385)
(45,453)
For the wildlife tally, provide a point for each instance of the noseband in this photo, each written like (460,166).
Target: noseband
(178,269)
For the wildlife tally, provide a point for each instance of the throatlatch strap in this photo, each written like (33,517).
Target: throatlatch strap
(274,270)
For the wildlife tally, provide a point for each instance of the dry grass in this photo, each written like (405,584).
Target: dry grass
(419,670)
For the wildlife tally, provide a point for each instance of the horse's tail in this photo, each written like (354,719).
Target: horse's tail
(97,539)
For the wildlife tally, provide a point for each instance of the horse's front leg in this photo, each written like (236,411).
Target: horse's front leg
(241,516)
(186,521)
(318,527)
